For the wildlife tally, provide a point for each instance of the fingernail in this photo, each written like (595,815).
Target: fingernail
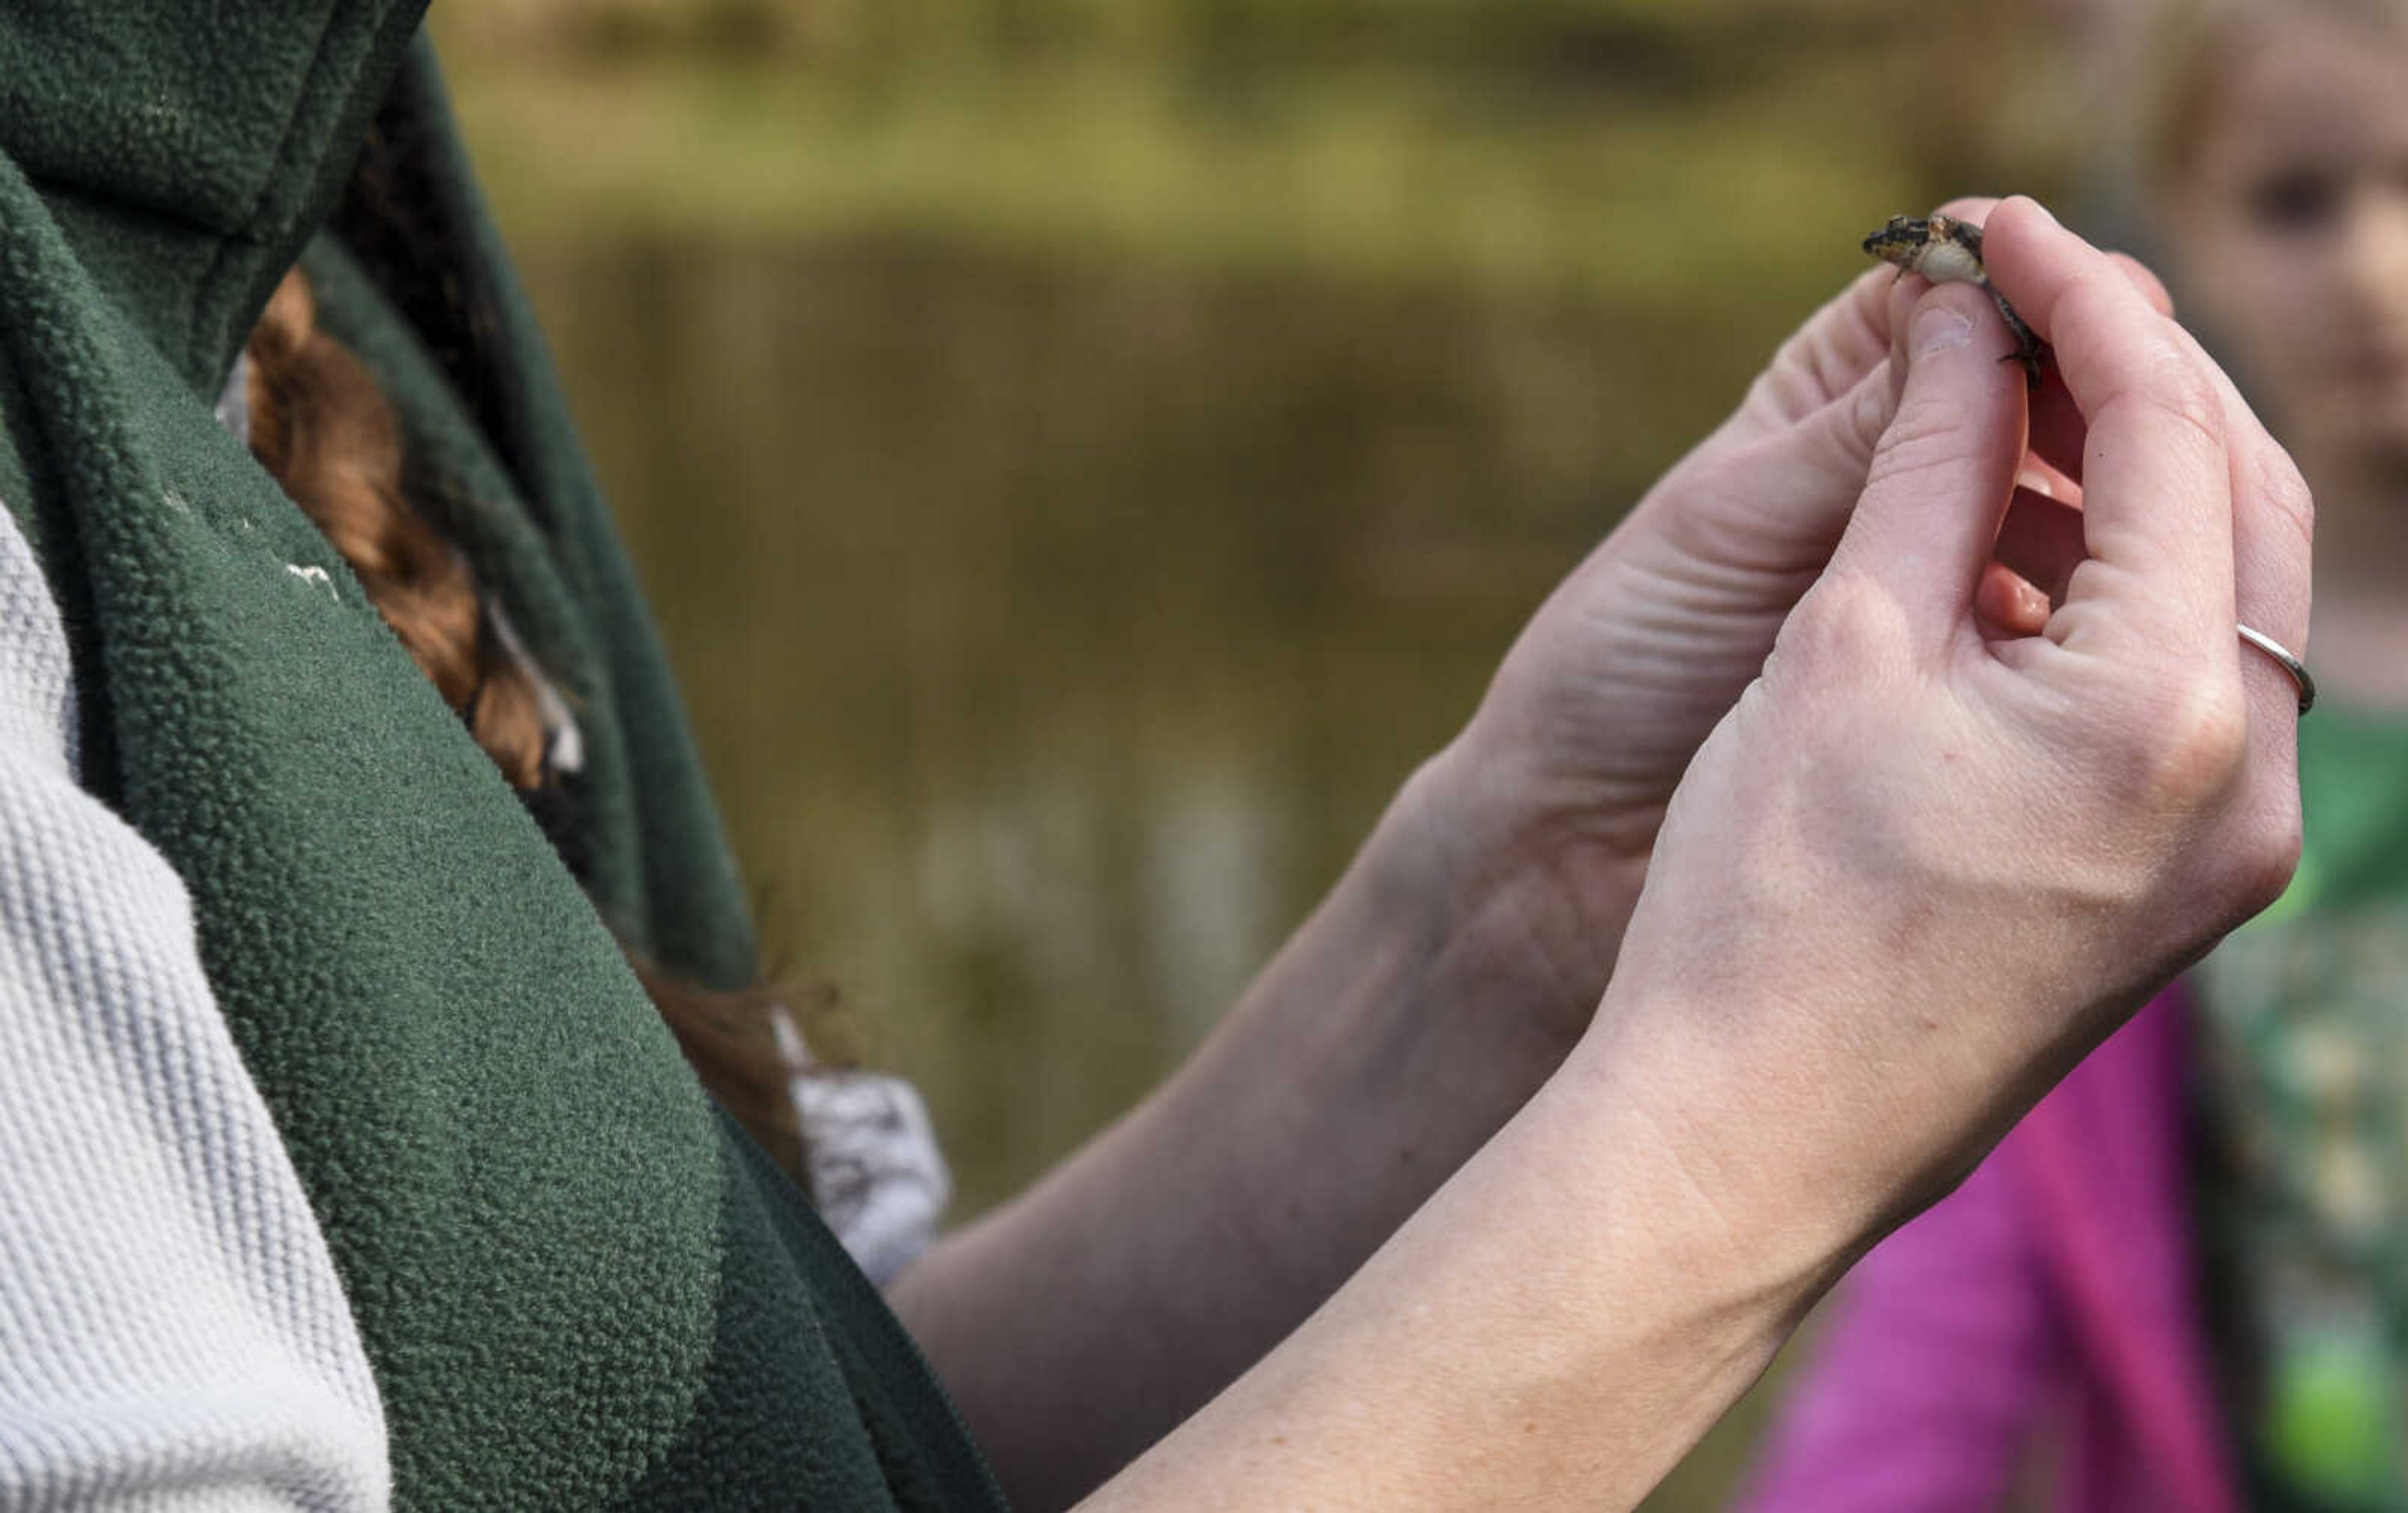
(1939,324)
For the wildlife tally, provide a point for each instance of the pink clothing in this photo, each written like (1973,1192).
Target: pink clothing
(2054,1294)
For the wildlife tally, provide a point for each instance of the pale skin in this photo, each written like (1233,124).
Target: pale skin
(1682,975)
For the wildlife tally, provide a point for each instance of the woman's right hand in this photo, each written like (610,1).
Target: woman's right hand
(1913,873)
(1920,869)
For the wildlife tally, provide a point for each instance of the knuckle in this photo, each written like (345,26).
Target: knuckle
(1828,367)
(1922,437)
(2176,389)
(2274,478)
(2265,860)
(2192,744)
(1870,407)
(2144,278)
(2152,359)
(1846,622)
(2090,301)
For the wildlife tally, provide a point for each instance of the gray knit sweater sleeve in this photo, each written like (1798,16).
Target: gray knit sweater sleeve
(172,1331)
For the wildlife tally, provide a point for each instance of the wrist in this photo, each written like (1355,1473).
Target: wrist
(1771,1210)
(1528,907)
(1581,1309)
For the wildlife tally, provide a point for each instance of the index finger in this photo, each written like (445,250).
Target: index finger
(2155,467)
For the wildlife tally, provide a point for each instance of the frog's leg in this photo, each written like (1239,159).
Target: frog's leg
(2028,345)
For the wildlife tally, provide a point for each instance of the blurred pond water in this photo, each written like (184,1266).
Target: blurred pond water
(1063,568)
(1056,632)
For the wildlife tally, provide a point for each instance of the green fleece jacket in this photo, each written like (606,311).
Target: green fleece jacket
(577,1284)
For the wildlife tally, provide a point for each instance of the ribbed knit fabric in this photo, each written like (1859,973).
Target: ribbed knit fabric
(172,1331)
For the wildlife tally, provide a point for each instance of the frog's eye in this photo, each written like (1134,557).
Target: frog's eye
(2294,201)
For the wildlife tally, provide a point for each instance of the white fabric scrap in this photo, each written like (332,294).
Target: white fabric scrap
(877,1174)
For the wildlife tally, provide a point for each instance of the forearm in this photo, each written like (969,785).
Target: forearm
(1554,1328)
(1413,1014)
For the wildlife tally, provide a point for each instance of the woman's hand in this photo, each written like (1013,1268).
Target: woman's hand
(1438,985)
(1561,780)
(1923,865)
(1443,980)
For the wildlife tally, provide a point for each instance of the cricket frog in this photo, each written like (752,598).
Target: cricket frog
(1945,250)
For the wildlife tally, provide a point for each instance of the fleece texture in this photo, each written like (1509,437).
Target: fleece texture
(577,1284)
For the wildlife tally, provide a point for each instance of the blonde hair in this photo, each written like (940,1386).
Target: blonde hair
(2185,54)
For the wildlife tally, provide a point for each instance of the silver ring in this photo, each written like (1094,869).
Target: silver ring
(2292,665)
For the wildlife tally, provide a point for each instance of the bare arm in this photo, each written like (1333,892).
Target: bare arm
(1916,874)
(1756,1100)
(1081,1322)
(1441,982)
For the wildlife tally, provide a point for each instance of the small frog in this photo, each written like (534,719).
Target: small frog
(1948,251)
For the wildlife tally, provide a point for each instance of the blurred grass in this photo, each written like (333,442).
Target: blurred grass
(1356,172)
(1715,154)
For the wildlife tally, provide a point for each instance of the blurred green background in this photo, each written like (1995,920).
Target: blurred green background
(1084,452)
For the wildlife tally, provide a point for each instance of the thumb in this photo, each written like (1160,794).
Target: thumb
(1943,471)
